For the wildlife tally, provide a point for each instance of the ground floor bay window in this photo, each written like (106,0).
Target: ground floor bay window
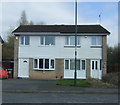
(44,64)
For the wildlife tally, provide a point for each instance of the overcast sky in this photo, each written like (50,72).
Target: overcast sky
(62,13)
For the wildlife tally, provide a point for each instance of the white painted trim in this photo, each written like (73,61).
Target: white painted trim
(83,34)
(95,45)
(56,33)
(36,33)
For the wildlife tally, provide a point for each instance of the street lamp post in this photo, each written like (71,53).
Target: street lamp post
(75,73)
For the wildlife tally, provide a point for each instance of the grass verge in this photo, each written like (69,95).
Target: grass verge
(93,83)
(70,82)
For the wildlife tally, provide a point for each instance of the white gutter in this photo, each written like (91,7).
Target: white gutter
(56,33)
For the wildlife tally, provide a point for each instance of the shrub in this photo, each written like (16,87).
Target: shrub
(111,78)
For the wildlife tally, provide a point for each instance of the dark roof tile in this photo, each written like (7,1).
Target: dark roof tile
(62,28)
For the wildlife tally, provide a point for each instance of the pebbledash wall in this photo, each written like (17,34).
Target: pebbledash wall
(59,52)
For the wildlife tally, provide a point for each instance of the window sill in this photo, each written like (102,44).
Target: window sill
(46,46)
(96,46)
(24,45)
(74,70)
(71,46)
(43,69)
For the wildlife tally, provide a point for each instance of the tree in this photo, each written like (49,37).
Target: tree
(23,19)
(31,23)
(41,23)
(8,46)
(113,58)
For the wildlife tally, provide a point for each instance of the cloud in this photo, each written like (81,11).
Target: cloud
(62,13)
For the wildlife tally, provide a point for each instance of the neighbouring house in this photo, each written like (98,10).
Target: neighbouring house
(48,51)
(1,43)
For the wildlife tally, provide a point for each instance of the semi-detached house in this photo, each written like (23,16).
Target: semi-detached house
(48,51)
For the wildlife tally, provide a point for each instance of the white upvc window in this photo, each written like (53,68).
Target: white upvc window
(47,40)
(96,40)
(70,64)
(24,40)
(44,64)
(70,40)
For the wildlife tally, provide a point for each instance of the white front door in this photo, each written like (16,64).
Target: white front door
(23,68)
(96,71)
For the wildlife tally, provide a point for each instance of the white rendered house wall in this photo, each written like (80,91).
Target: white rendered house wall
(35,50)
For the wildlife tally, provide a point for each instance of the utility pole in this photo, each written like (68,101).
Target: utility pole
(75,73)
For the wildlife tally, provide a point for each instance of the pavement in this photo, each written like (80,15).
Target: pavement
(48,86)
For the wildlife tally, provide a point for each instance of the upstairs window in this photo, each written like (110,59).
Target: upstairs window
(24,40)
(47,40)
(70,40)
(96,40)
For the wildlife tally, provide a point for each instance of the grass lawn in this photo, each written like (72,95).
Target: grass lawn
(70,82)
(93,83)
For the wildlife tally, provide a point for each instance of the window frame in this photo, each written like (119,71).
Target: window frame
(45,40)
(69,41)
(81,64)
(96,41)
(43,64)
(24,40)
(96,65)
(70,63)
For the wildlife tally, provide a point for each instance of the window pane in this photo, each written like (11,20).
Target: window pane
(66,64)
(96,65)
(93,40)
(99,40)
(83,64)
(72,40)
(78,65)
(46,63)
(49,40)
(27,38)
(42,40)
(41,63)
(52,63)
(35,63)
(78,40)
(21,40)
(93,65)
(66,40)
(72,64)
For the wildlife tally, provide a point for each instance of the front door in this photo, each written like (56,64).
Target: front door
(23,68)
(96,71)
